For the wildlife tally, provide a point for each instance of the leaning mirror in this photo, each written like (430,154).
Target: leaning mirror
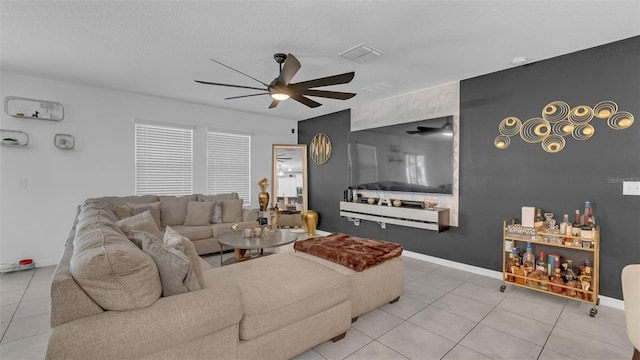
(289,179)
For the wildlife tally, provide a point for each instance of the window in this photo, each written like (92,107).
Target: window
(229,164)
(416,171)
(164,159)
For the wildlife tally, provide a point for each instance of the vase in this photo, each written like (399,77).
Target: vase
(263,200)
(310,221)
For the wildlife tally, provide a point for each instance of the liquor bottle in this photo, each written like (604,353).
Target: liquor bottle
(586,230)
(538,220)
(557,279)
(576,226)
(565,225)
(509,268)
(541,264)
(528,260)
(568,274)
(585,281)
(587,205)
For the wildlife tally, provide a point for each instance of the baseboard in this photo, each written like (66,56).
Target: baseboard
(604,300)
(49,262)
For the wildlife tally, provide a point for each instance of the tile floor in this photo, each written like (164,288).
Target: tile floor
(445,313)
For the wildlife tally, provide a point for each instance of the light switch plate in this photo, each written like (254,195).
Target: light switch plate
(631,188)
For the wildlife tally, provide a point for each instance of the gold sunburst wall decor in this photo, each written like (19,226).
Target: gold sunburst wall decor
(320,148)
(559,120)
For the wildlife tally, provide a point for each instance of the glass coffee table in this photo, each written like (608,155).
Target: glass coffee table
(241,244)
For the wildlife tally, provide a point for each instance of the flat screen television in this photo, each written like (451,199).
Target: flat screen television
(415,157)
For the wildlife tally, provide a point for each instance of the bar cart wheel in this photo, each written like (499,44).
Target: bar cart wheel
(593,312)
(503,287)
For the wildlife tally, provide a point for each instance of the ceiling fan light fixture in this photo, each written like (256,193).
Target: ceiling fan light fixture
(279,96)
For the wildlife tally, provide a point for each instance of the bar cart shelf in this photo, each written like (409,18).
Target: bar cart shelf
(593,252)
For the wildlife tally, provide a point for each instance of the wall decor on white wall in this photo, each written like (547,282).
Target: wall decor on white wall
(33,109)
(64,141)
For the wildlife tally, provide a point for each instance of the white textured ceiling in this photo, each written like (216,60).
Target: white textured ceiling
(160,47)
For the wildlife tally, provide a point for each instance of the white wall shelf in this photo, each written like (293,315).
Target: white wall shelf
(33,109)
(14,138)
(436,220)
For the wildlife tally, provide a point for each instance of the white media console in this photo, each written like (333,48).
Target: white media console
(436,219)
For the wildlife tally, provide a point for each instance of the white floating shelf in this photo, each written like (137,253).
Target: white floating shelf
(436,219)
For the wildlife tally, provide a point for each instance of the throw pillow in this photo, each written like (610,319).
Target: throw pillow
(232,211)
(153,207)
(216,215)
(122,211)
(114,272)
(176,274)
(174,239)
(218,197)
(198,213)
(141,222)
(173,209)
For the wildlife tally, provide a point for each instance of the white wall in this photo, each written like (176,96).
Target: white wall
(35,221)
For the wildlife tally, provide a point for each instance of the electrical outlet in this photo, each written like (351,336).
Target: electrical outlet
(22,183)
(631,188)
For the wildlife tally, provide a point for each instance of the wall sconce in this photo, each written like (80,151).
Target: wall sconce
(559,120)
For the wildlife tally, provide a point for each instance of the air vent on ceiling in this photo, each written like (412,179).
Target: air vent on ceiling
(382,87)
(361,53)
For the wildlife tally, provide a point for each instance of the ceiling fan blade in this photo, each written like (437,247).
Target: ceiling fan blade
(305,100)
(328,94)
(244,96)
(274,103)
(289,70)
(238,71)
(229,85)
(325,81)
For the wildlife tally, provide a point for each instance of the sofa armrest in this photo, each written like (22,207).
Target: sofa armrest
(249,215)
(170,321)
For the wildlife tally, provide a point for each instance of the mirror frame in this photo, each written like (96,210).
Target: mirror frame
(274,172)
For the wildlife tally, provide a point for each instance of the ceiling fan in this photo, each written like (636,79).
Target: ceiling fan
(446,129)
(281,88)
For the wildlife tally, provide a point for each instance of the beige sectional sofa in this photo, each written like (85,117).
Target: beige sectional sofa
(106,298)
(173,210)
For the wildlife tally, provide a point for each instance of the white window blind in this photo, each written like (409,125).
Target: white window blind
(164,159)
(229,164)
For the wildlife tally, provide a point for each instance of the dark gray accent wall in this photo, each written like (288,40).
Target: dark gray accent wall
(495,184)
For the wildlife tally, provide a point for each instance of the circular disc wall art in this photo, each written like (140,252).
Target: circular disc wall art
(510,126)
(553,143)
(620,120)
(535,130)
(320,148)
(555,111)
(604,109)
(502,141)
(580,114)
(583,131)
(562,128)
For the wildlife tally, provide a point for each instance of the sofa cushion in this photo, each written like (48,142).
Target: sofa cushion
(287,290)
(198,213)
(195,232)
(177,241)
(218,197)
(173,209)
(92,212)
(176,274)
(153,207)
(115,273)
(232,211)
(141,222)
